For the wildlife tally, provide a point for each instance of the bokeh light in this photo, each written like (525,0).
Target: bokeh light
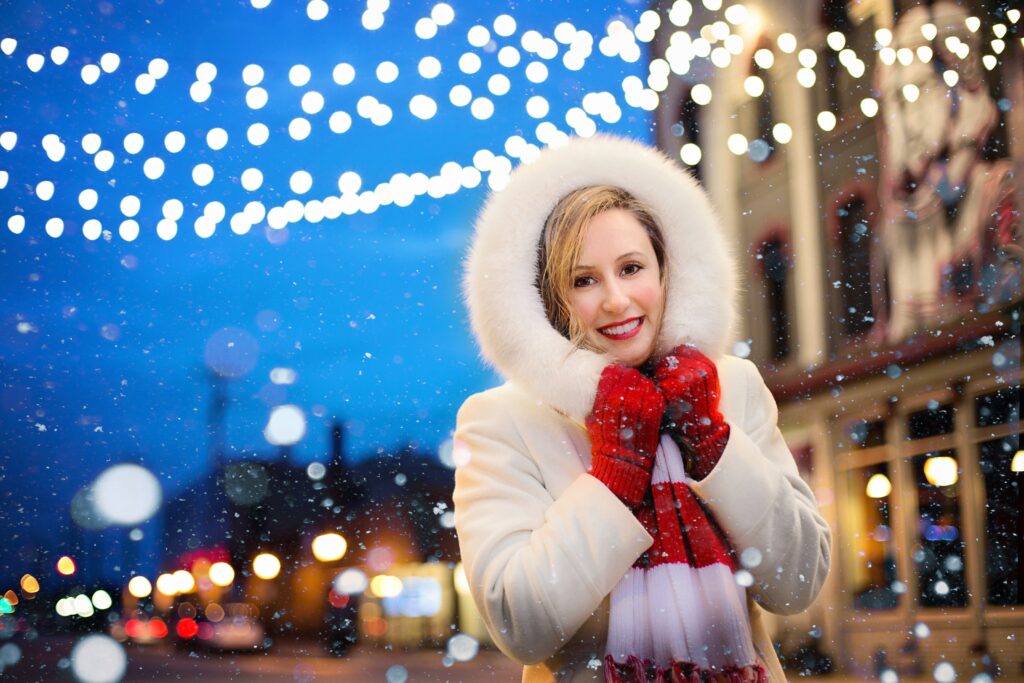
(266,566)
(140,587)
(98,658)
(329,547)
(126,494)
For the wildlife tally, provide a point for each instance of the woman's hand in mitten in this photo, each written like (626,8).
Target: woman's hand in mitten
(689,381)
(623,428)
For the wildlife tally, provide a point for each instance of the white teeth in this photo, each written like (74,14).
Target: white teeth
(621,329)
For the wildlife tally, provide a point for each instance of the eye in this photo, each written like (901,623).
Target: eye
(631,268)
(582,281)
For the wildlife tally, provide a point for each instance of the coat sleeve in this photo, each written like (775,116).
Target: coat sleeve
(760,500)
(538,566)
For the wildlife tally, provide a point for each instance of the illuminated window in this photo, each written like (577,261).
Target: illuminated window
(870,552)
(939,554)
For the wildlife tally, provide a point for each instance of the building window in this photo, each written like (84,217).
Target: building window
(939,555)
(1004,502)
(775,267)
(871,554)
(855,283)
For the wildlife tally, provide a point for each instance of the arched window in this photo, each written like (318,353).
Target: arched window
(775,266)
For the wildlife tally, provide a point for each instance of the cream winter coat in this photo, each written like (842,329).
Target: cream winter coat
(543,542)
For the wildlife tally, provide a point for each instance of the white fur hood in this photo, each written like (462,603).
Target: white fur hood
(501,269)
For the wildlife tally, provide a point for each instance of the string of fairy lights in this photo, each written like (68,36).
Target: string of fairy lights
(718,43)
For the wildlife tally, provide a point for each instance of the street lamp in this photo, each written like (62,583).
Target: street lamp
(329,547)
(167,585)
(222,574)
(266,566)
(140,587)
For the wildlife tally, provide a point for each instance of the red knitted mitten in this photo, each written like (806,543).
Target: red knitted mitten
(623,428)
(689,381)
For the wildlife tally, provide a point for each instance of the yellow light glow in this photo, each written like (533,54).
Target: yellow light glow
(990,61)
(1013,15)
(941,471)
(266,566)
(386,586)
(806,77)
(950,77)
(998,46)
(905,56)
(887,55)
(911,92)
(29,584)
(787,42)
(1017,465)
(701,94)
(929,31)
(999,30)
(869,106)
(167,585)
(836,40)
(879,486)
(754,86)
(883,37)
(329,547)
(826,120)
(66,566)
(782,133)
(807,58)
(924,53)
(973,24)
(952,43)
(140,587)
(184,582)
(736,14)
(222,574)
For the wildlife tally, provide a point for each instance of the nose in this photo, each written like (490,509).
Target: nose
(615,298)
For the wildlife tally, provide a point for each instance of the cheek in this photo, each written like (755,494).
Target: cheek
(584,307)
(652,298)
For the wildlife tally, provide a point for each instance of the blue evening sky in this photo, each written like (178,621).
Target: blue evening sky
(104,344)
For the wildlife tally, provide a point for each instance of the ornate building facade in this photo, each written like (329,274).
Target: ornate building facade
(868,157)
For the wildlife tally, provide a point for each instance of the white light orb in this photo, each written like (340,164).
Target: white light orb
(54,227)
(700,94)
(87,199)
(130,206)
(826,120)
(145,84)
(782,133)
(382,115)
(217,138)
(222,574)
(44,190)
(128,230)
(690,154)
(256,98)
(737,144)
(16,223)
(463,647)
(126,494)
(166,229)
(754,86)
(173,209)
(498,84)
(426,28)
(252,179)
(349,182)
(157,68)
(478,36)
(98,658)
(312,102)
(266,566)
(299,128)
(104,160)
(257,134)
(252,75)
(200,91)
(204,227)
(508,56)
(469,63)
(460,95)
(442,14)
(92,229)
(109,62)
(537,107)
(215,211)
(8,45)
(869,106)
(422,107)
(259,4)
(429,67)
(911,92)
(482,108)
(317,10)
(301,182)
(140,587)
(536,72)
(387,72)
(286,426)
(59,55)
(174,142)
(372,20)
(90,74)
(202,174)
(299,75)
(805,77)
(352,581)
(206,72)
(339,122)
(504,25)
(764,58)
(343,74)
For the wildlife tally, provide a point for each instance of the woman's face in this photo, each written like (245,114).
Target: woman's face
(616,291)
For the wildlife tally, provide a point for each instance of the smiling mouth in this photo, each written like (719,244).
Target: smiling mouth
(623,330)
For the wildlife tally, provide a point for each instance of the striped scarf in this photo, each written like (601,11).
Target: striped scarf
(678,615)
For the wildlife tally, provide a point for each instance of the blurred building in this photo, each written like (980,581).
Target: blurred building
(867,156)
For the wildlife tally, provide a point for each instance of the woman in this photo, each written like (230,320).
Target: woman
(625,506)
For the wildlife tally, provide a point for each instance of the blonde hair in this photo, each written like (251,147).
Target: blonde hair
(562,243)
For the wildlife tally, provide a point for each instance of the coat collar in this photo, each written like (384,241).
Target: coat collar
(505,307)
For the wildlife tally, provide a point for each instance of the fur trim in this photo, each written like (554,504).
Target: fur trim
(505,307)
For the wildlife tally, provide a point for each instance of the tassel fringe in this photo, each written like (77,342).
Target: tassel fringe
(633,670)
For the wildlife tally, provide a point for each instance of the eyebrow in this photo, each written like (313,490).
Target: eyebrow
(631,254)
